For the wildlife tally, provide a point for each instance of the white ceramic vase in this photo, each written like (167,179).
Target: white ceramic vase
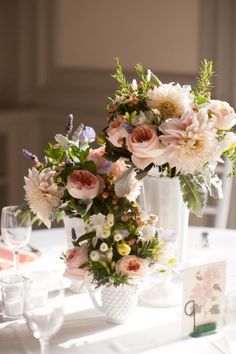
(117,303)
(162,196)
(76,224)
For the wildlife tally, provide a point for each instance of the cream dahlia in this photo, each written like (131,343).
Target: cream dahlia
(190,141)
(42,194)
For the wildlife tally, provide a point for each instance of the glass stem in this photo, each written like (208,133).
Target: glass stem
(16,260)
(44,346)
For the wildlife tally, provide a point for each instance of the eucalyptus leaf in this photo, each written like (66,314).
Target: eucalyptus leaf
(122,184)
(83,206)
(215,187)
(62,140)
(194,192)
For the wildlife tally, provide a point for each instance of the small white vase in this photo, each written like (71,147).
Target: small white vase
(162,196)
(76,224)
(118,303)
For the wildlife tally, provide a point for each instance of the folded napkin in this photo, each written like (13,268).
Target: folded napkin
(6,257)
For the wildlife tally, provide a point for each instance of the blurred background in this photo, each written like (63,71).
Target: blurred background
(57,57)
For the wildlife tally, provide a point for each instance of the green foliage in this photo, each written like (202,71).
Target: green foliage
(120,77)
(204,82)
(113,153)
(85,237)
(56,154)
(149,249)
(231,155)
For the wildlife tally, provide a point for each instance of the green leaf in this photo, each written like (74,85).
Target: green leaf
(87,236)
(113,153)
(194,192)
(140,174)
(90,166)
(153,79)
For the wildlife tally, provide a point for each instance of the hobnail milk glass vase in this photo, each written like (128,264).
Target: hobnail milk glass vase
(118,303)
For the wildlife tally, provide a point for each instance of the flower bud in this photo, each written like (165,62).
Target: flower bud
(103,247)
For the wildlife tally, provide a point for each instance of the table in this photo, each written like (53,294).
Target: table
(151,330)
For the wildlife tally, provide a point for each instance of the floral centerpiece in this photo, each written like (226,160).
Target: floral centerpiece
(115,244)
(118,246)
(177,129)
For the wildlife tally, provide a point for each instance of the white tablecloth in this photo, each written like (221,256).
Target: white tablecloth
(151,330)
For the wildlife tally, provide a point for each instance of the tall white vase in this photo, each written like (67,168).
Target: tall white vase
(162,196)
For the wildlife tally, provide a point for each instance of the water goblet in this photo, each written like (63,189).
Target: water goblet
(15,229)
(44,309)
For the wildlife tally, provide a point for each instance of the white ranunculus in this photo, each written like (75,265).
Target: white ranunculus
(94,256)
(148,232)
(97,220)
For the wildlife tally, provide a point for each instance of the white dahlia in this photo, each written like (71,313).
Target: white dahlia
(171,100)
(42,194)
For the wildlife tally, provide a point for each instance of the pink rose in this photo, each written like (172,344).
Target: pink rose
(102,164)
(83,185)
(75,258)
(118,168)
(145,147)
(116,132)
(224,113)
(133,266)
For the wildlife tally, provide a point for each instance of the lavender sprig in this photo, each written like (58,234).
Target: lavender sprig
(28,154)
(127,127)
(69,125)
(73,234)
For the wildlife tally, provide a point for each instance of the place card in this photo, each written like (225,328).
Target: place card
(203,294)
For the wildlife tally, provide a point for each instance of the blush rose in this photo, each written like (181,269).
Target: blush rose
(133,266)
(145,147)
(224,113)
(75,258)
(116,132)
(83,185)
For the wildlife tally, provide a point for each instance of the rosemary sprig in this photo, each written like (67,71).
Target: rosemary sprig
(204,81)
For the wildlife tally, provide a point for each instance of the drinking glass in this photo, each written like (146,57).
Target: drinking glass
(44,311)
(16,230)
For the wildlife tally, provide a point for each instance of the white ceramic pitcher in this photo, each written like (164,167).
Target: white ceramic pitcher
(118,303)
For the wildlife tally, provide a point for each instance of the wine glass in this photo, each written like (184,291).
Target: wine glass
(44,309)
(16,229)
